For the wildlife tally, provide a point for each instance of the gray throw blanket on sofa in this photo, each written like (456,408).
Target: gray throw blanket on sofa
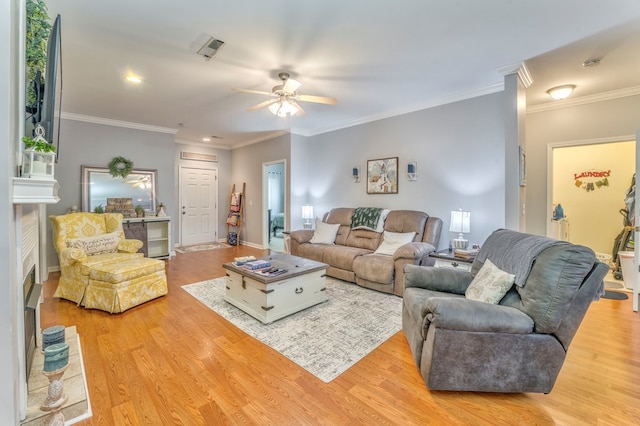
(523,250)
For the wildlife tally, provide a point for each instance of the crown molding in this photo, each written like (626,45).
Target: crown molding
(262,139)
(584,100)
(521,69)
(116,123)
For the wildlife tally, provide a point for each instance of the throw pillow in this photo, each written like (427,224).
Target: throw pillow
(98,244)
(325,233)
(490,284)
(391,241)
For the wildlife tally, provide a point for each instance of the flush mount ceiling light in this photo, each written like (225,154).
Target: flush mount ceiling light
(561,92)
(133,78)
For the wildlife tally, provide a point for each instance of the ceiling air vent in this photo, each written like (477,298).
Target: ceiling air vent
(210,48)
(185,155)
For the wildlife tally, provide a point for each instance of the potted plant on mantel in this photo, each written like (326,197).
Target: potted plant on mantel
(38,157)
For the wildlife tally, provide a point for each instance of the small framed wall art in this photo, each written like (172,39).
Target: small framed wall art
(382,176)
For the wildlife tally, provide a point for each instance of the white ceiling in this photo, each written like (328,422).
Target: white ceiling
(378,58)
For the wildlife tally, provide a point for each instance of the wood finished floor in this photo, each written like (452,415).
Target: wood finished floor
(174,361)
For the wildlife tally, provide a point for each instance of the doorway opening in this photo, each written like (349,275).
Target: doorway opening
(275,204)
(590,180)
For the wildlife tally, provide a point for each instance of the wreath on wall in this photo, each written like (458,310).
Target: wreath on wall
(121,167)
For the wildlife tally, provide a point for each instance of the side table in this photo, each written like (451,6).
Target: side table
(446,259)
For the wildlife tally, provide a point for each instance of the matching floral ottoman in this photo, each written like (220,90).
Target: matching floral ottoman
(116,287)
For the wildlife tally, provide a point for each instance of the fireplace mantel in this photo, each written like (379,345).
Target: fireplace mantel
(35,191)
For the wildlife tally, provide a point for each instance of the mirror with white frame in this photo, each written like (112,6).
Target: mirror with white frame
(98,185)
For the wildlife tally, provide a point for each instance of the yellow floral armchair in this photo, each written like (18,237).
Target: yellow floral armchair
(85,241)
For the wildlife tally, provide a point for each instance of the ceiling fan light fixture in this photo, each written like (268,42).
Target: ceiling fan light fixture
(283,108)
(561,92)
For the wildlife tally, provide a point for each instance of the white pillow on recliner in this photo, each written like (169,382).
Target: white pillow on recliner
(325,233)
(490,284)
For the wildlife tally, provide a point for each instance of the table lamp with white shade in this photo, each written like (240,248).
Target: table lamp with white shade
(460,223)
(307,215)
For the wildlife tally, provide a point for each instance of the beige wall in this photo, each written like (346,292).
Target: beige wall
(594,217)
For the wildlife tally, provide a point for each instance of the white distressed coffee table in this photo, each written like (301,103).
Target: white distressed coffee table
(269,298)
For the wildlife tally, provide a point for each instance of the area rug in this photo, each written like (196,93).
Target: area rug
(325,339)
(201,247)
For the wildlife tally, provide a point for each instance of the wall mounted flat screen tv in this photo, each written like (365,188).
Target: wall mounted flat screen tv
(52,98)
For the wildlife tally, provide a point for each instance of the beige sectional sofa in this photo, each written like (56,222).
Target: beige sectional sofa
(352,256)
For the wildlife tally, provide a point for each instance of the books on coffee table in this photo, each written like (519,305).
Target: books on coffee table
(256,264)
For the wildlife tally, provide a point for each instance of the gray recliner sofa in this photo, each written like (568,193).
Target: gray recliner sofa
(517,345)
(352,256)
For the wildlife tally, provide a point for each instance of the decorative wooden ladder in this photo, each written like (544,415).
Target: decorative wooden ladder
(236,214)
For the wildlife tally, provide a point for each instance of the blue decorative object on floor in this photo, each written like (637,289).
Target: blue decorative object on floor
(52,336)
(615,295)
(56,356)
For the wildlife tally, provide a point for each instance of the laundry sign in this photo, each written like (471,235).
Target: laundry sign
(592,179)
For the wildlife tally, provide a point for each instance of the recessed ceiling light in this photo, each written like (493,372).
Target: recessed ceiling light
(206,139)
(561,92)
(134,79)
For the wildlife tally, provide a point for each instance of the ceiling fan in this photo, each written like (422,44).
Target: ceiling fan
(284,98)
(139,181)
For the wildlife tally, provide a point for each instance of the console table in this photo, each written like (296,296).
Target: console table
(154,232)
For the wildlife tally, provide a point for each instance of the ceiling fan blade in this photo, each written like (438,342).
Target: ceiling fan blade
(257,92)
(297,106)
(263,104)
(317,99)
(291,85)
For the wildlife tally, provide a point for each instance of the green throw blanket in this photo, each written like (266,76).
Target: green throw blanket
(366,217)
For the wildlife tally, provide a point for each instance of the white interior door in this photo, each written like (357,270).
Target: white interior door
(198,205)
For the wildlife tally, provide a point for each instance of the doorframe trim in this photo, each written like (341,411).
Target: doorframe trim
(265,193)
(217,189)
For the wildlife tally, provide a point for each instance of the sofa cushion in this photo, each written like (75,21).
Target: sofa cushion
(376,268)
(490,284)
(406,221)
(312,251)
(342,256)
(97,244)
(363,239)
(392,241)
(341,215)
(325,233)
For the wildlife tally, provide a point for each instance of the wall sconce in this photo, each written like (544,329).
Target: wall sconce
(460,223)
(355,173)
(307,215)
(412,171)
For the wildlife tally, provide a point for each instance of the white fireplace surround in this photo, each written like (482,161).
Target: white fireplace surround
(30,197)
